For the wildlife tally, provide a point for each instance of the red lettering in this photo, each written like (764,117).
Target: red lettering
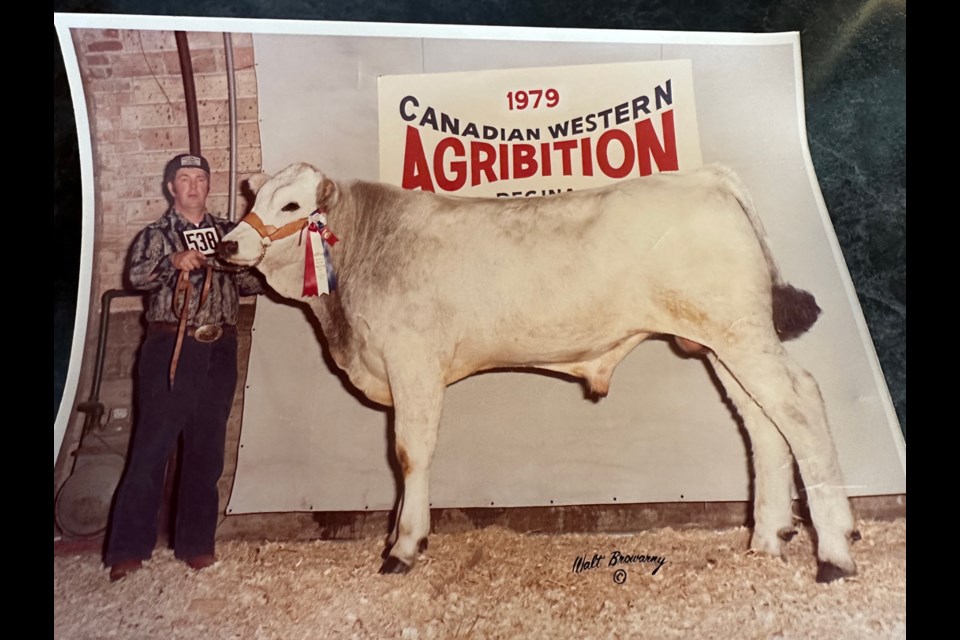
(603,154)
(416,170)
(545,158)
(457,167)
(586,157)
(504,162)
(649,145)
(524,161)
(482,162)
(565,147)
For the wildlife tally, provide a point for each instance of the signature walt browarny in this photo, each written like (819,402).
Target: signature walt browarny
(617,559)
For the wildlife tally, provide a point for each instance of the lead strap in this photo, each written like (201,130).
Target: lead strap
(186,287)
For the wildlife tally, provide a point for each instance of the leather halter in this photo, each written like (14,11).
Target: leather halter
(269,233)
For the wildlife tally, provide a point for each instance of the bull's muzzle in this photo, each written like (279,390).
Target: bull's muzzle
(228,249)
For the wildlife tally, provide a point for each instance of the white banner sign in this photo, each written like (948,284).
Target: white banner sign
(530,132)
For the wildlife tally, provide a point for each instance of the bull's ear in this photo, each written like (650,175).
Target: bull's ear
(327,194)
(256,181)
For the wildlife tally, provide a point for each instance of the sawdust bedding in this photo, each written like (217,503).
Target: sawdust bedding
(495,583)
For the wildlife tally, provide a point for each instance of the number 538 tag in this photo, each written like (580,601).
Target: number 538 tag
(202,240)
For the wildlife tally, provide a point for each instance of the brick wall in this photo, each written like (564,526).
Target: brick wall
(138,122)
(134,94)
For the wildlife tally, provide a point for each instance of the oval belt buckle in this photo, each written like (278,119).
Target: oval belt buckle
(208,333)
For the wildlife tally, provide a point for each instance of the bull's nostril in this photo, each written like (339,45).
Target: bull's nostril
(227,249)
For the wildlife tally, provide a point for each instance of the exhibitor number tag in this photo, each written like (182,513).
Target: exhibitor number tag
(202,240)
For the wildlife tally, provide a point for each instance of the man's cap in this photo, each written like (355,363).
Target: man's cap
(185,161)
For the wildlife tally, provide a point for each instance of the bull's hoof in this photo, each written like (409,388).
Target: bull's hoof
(828,572)
(855,535)
(786,534)
(394,565)
(422,545)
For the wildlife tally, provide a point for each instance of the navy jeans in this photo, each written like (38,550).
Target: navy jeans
(198,407)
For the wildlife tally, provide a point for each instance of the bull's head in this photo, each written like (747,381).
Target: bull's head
(282,208)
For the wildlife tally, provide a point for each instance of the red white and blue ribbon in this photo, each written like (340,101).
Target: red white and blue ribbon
(318,257)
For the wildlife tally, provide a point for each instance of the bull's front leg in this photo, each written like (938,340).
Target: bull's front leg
(417,399)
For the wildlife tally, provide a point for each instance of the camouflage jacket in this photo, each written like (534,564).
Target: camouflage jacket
(149,269)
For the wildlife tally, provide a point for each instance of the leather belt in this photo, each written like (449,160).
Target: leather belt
(203,333)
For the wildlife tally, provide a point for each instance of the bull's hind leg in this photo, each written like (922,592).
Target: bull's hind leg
(417,399)
(790,397)
(772,468)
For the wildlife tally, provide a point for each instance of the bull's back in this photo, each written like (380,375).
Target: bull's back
(566,276)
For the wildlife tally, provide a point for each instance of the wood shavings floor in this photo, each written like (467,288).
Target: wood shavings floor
(494,583)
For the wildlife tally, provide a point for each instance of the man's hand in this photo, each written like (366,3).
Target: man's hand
(188,260)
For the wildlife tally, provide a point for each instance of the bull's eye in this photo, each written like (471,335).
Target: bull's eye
(293,206)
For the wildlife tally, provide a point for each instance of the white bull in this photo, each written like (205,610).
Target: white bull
(434,288)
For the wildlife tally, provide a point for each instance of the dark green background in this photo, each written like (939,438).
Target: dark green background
(854,67)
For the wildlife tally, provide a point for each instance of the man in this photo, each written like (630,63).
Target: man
(187,375)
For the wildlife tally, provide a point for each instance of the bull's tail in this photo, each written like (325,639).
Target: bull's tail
(794,310)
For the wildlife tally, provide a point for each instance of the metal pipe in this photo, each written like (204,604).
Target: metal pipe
(189,91)
(93,408)
(232,102)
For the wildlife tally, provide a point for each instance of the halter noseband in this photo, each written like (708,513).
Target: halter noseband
(269,233)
